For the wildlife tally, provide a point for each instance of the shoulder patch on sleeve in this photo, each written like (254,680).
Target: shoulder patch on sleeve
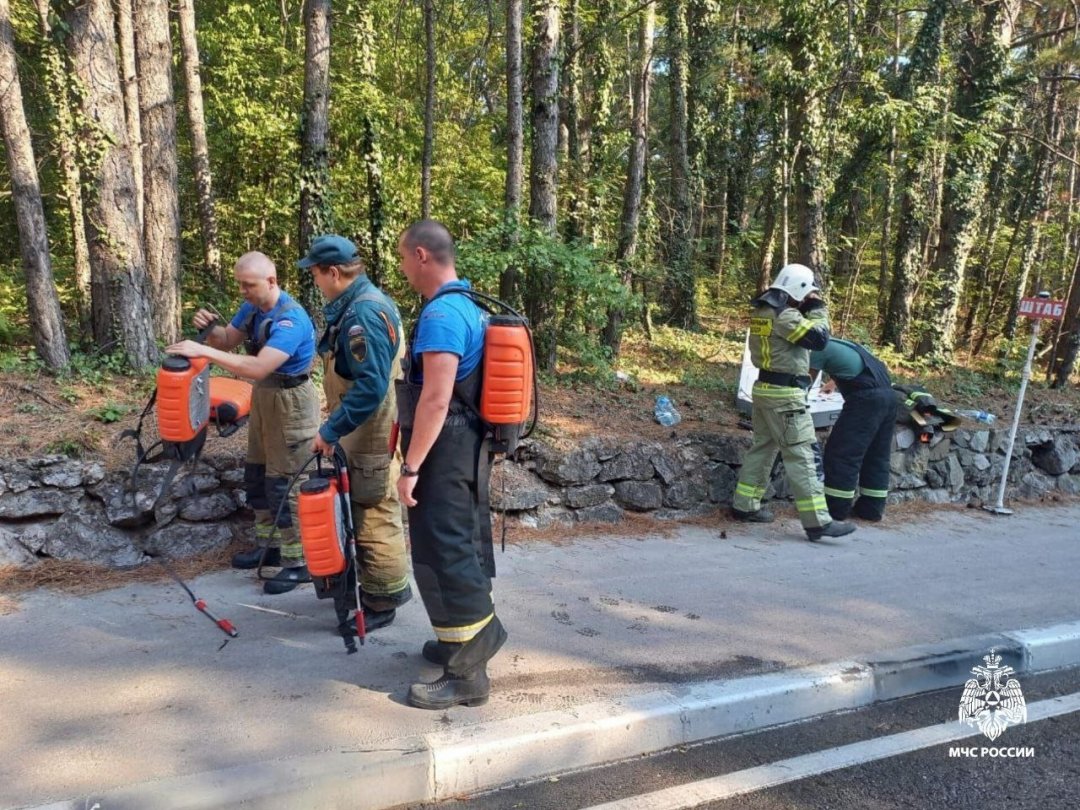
(285,323)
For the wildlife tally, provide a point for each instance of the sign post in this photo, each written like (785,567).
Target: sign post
(1039,308)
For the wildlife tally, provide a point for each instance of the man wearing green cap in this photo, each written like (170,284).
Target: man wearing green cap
(361,350)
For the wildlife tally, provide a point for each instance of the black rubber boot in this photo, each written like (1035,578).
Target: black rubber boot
(452,690)
(838,528)
(373,620)
(760,516)
(438,652)
(286,580)
(250,559)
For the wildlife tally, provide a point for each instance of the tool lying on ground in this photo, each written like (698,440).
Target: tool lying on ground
(187,400)
(200,604)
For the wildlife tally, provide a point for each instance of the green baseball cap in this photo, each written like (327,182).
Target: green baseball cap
(329,249)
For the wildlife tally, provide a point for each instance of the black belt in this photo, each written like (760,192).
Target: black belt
(285,380)
(786,380)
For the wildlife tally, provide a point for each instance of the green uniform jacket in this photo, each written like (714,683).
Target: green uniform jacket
(781,339)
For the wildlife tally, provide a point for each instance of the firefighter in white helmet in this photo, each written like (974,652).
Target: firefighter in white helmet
(787,322)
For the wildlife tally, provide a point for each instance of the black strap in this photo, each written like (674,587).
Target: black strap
(483,492)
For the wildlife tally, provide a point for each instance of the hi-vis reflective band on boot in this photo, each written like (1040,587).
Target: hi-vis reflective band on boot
(840,493)
(391,588)
(871,493)
(459,635)
(815,504)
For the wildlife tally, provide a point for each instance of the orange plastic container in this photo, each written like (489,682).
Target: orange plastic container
(183,397)
(322,529)
(229,399)
(507,389)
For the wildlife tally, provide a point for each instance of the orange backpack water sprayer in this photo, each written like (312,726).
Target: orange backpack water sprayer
(188,399)
(508,387)
(328,536)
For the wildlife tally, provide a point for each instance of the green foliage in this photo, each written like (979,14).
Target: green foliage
(110,412)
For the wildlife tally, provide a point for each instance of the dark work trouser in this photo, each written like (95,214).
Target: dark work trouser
(857,454)
(446,528)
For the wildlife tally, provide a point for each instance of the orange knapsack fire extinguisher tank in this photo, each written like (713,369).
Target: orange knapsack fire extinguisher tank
(322,527)
(183,397)
(507,388)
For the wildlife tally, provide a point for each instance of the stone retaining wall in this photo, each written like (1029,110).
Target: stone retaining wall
(68,509)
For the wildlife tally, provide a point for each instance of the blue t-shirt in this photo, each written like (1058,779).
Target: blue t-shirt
(453,323)
(291,332)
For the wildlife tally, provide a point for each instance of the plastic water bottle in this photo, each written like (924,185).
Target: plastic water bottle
(665,412)
(978,416)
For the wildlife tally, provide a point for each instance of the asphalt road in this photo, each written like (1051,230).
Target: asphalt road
(929,778)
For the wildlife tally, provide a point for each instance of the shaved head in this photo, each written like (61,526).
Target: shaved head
(433,237)
(256,265)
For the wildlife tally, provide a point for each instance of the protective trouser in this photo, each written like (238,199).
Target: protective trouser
(373,478)
(282,425)
(449,552)
(857,454)
(782,422)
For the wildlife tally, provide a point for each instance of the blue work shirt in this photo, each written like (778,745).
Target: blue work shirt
(291,331)
(452,323)
(363,331)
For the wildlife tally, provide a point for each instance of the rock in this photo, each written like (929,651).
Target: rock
(576,467)
(207,507)
(13,552)
(934,478)
(547,515)
(65,475)
(684,514)
(198,483)
(1035,437)
(980,462)
(604,513)
(932,495)
(1069,484)
(907,481)
(123,508)
(232,477)
(904,438)
(1035,485)
(954,475)
(687,493)
(1056,458)
(33,503)
(83,534)
(980,441)
(93,473)
(18,480)
(722,480)
(182,540)
(940,447)
(726,449)
(641,496)
(634,464)
(588,495)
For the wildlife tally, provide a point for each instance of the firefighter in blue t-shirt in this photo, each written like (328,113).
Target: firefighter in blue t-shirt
(445,474)
(280,342)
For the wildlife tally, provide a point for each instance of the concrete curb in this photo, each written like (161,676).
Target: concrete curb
(439,766)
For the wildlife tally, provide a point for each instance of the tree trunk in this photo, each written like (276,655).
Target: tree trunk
(514,141)
(112,223)
(316,215)
(161,212)
(571,71)
(132,109)
(543,172)
(43,304)
(56,72)
(429,109)
(982,64)
(601,150)
(200,152)
(679,288)
(635,172)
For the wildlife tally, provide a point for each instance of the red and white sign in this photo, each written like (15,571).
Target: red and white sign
(1042,308)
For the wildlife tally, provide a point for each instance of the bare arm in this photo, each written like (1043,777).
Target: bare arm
(260,366)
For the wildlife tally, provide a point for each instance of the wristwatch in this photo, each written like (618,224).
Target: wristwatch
(407,471)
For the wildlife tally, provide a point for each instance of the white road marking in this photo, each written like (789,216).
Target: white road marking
(751,780)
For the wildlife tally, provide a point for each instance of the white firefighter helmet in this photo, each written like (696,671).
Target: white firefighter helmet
(797,280)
